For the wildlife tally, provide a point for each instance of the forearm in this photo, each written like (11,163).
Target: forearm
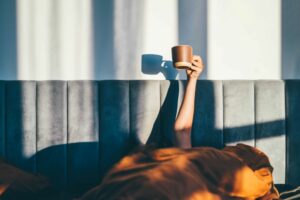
(184,121)
(185,116)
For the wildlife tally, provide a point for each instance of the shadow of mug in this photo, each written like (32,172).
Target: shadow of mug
(153,64)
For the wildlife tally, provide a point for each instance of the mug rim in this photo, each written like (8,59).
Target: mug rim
(184,45)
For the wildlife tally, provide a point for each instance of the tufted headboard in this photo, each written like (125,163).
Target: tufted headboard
(74,131)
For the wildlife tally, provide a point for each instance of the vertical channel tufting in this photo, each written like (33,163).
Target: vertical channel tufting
(292,131)
(238,112)
(51,154)
(208,118)
(83,129)
(2,118)
(114,122)
(144,111)
(21,123)
(171,94)
(270,124)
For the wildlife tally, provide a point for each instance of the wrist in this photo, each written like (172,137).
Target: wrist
(192,79)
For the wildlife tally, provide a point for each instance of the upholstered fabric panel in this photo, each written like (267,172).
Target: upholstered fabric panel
(21,123)
(293,131)
(2,118)
(144,110)
(238,97)
(171,95)
(83,134)
(208,117)
(270,124)
(51,157)
(74,131)
(114,117)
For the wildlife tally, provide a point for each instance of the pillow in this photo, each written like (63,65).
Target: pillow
(18,184)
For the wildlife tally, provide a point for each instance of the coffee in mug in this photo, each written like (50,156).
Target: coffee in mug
(182,56)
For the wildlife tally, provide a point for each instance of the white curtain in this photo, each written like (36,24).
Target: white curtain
(121,39)
(93,39)
(54,39)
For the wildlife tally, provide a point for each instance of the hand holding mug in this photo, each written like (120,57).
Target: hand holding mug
(194,71)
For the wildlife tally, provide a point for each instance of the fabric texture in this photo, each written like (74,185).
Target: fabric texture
(291,194)
(239,172)
(18,184)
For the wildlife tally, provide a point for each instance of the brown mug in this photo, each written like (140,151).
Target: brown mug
(182,56)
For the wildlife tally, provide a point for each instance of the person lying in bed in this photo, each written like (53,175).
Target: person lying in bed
(186,173)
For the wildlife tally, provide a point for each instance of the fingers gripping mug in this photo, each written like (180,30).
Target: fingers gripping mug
(182,56)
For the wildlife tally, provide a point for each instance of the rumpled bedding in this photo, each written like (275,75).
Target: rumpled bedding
(236,172)
(16,184)
(292,194)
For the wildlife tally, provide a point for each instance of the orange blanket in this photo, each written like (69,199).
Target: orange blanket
(236,172)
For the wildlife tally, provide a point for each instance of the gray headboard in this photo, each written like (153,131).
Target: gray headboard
(73,131)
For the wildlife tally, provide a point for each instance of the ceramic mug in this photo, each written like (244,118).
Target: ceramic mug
(182,56)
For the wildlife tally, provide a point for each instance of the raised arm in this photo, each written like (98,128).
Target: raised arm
(184,121)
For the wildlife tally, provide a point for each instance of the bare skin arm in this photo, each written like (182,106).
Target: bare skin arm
(184,121)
